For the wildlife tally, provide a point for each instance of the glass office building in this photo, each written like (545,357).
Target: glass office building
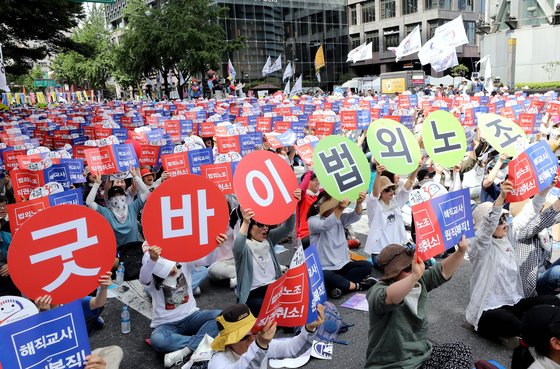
(292,28)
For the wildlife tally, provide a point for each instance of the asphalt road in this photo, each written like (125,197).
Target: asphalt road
(446,317)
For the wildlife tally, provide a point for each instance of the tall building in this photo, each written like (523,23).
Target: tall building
(387,22)
(522,39)
(292,28)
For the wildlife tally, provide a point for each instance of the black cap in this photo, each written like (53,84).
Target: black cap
(541,321)
(115,191)
(234,313)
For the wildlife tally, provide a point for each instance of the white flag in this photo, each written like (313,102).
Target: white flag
(231,70)
(287,89)
(353,52)
(298,86)
(266,68)
(181,79)
(444,60)
(431,50)
(3,83)
(453,33)
(277,64)
(483,60)
(287,72)
(411,44)
(148,81)
(365,53)
(159,80)
(318,75)
(488,83)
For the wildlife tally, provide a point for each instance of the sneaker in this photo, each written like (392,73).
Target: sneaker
(233,283)
(367,283)
(176,357)
(335,293)
(197,292)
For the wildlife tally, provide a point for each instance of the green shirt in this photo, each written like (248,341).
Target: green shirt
(397,337)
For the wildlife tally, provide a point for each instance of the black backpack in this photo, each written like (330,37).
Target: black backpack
(131,255)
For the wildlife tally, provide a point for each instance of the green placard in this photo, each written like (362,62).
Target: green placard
(444,138)
(394,146)
(503,134)
(341,167)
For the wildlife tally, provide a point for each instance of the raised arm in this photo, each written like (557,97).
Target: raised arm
(90,200)
(143,190)
(452,263)
(376,191)
(494,172)
(101,299)
(398,290)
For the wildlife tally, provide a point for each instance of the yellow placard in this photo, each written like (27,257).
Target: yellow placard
(392,85)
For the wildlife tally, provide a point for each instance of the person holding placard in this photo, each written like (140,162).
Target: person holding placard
(384,205)
(398,333)
(178,324)
(237,347)
(122,217)
(310,189)
(326,220)
(497,303)
(256,263)
(497,173)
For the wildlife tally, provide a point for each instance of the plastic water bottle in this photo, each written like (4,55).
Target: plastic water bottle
(125,320)
(120,274)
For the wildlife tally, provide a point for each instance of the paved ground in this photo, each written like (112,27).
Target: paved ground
(447,317)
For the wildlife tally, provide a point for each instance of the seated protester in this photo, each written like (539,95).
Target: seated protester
(237,348)
(496,303)
(256,263)
(540,329)
(398,310)
(178,325)
(223,266)
(110,356)
(497,172)
(310,189)
(384,207)
(122,217)
(534,251)
(326,220)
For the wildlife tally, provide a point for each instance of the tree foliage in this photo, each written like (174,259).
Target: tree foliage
(32,29)
(460,70)
(96,68)
(179,35)
(27,80)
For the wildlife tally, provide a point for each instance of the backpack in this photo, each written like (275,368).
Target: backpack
(131,255)
(333,325)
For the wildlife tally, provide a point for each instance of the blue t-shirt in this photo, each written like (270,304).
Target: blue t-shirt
(128,231)
(490,194)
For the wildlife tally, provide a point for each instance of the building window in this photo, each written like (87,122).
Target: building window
(466,5)
(410,27)
(354,41)
(470,29)
(353,15)
(391,37)
(438,4)
(368,12)
(482,8)
(409,6)
(373,37)
(432,25)
(388,9)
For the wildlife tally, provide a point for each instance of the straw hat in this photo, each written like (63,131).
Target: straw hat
(384,182)
(393,259)
(234,323)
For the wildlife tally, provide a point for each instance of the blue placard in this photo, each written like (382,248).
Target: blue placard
(246,144)
(59,173)
(198,158)
(454,216)
(121,134)
(75,169)
(70,197)
(364,118)
(544,163)
(256,137)
(317,292)
(125,157)
(53,339)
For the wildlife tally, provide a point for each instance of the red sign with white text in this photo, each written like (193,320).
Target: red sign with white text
(176,164)
(183,216)
(62,251)
(221,174)
(264,182)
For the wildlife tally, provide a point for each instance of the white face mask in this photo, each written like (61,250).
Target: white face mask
(118,206)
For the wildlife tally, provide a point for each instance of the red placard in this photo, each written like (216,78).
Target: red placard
(23,181)
(264,182)
(61,252)
(227,144)
(149,155)
(20,212)
(183,216)
(221,174)
(286,300)
(348,119)
(206,129)
(264,124)
(101,160)
(175,164)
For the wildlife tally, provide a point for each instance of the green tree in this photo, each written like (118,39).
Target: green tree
(179,35)
(31,30)
(460,70)
(27,80)
(96,68)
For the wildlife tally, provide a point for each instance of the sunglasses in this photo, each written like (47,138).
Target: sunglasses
(246,337)
(408,269)
(389,189)
(260,225)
